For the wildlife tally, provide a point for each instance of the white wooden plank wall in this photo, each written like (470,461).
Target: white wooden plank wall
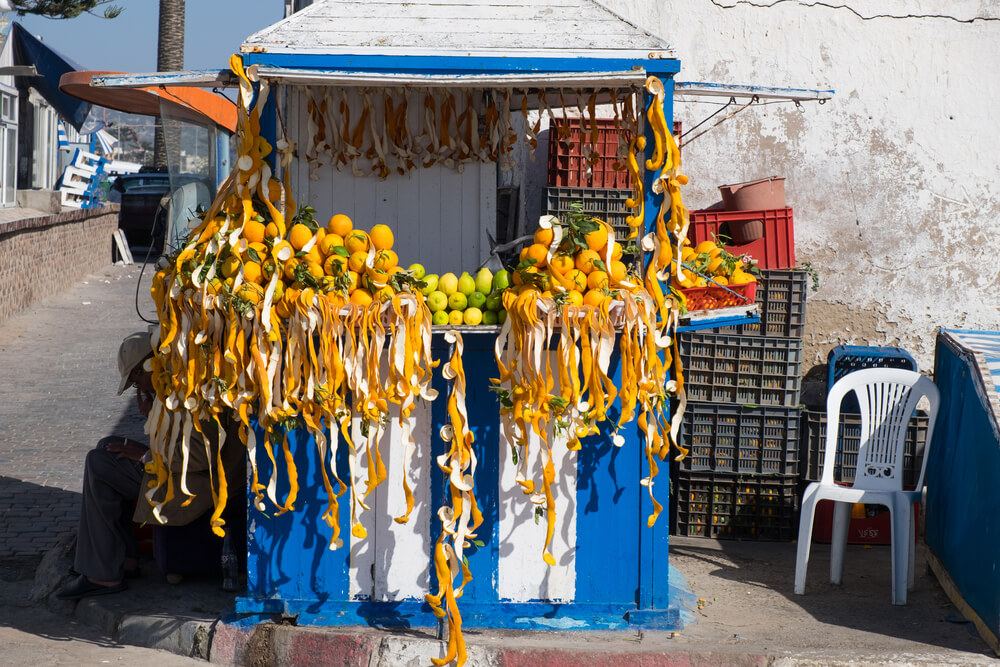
(523,575)
(384,25)
(439,216)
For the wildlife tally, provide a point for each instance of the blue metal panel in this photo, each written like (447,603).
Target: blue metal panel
(963,479)
(456,65)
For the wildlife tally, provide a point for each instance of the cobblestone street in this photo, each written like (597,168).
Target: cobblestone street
(58,398)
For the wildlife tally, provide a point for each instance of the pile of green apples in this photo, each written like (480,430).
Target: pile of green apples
(465,299)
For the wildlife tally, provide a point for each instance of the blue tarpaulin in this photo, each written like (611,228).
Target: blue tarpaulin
(50,65)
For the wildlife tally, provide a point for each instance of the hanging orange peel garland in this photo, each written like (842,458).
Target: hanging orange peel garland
(303,356)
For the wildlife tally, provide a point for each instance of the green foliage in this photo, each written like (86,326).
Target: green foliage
(65,9)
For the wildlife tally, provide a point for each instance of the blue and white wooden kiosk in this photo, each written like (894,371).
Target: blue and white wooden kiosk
(963,477)
(611,570)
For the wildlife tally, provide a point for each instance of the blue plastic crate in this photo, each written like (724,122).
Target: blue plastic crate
(845,359)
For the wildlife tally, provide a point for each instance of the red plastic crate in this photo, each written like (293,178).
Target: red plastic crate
(707,298)
(874,529)
(775,251)
(568,165)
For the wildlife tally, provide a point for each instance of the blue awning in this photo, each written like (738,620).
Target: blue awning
(50,65)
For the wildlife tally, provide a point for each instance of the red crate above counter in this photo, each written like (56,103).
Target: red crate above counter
(776,250)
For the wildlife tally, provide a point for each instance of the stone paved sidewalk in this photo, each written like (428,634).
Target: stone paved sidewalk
(57,398)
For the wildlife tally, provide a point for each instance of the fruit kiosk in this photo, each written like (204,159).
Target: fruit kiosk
(428,440)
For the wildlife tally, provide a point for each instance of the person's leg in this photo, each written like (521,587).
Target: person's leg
(102,536)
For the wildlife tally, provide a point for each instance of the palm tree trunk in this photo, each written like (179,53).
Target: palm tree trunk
(169,58)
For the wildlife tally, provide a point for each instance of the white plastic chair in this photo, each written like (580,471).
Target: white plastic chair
(887,398)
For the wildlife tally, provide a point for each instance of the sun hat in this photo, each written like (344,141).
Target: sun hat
(133,351)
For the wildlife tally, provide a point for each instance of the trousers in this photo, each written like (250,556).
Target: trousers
(105,536)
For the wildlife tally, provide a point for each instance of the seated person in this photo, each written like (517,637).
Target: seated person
(114,474)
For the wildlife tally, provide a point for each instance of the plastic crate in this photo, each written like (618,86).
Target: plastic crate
(775,251)
(781,296)
(740,439)
(568,165)
(738,369)
(724,506)
(813,446)
(714,296)
(845,359)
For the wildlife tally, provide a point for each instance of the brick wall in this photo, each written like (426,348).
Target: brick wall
(45,255)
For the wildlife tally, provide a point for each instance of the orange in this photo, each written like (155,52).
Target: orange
(597,280)
(385,259)
(720,280)
(230,266)
(384,293)
(254,231)
(267,269)
(328,265)
(361,297)
(687,253)
(619,271)
(288,269)
(544,236)
(329,242)
(579,278)
(251,292)
(340,225)
(356,241)
(271,230)
(594,297)
(585,260)
(357,261)
(354,278)
(575,298)
(279,290)
(616,251)
(252,272)
(315,268)
(299,235)
(273,190)
(314,255)
(381,237)
(705,246)
(523,254)
(538,252)
(562,262)
(597,239)
(377,278)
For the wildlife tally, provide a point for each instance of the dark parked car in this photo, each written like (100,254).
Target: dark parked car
(142,217)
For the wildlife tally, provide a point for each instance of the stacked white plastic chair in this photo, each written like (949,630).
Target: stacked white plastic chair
(81,180)
(887,398)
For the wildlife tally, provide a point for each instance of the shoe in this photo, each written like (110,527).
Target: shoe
(84,587)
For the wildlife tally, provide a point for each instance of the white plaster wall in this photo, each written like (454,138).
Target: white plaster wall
(894,182)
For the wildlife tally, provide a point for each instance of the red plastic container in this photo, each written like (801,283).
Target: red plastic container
(708,298)
(875,529)
(776,250)
(568,165)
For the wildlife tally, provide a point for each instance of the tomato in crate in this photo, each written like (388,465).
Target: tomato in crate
(719,296)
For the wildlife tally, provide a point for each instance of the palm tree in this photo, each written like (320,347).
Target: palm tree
(169,58)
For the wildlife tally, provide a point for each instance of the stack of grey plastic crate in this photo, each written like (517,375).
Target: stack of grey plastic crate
(743,420)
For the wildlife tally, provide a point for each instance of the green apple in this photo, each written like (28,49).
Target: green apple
(440,318)
(489,318)
(484,281)
(501,280)
(456,317)
(501,317)
(432,283)
(472,316)
(417,270)
(448,283)
(458,301)
(494,303)
(477,300)
(437,301)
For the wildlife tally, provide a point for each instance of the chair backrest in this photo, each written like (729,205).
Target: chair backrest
(887,398)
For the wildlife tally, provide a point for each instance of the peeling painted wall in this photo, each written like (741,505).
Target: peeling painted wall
(894,181)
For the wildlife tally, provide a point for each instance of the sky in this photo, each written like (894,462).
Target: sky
(214,31)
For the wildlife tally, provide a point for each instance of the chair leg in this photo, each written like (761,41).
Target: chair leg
(899,516)
(838,540)
(912,548)
(806,517)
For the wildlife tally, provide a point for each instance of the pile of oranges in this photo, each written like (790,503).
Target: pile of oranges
(710,259)
(578,268)
(358,265)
